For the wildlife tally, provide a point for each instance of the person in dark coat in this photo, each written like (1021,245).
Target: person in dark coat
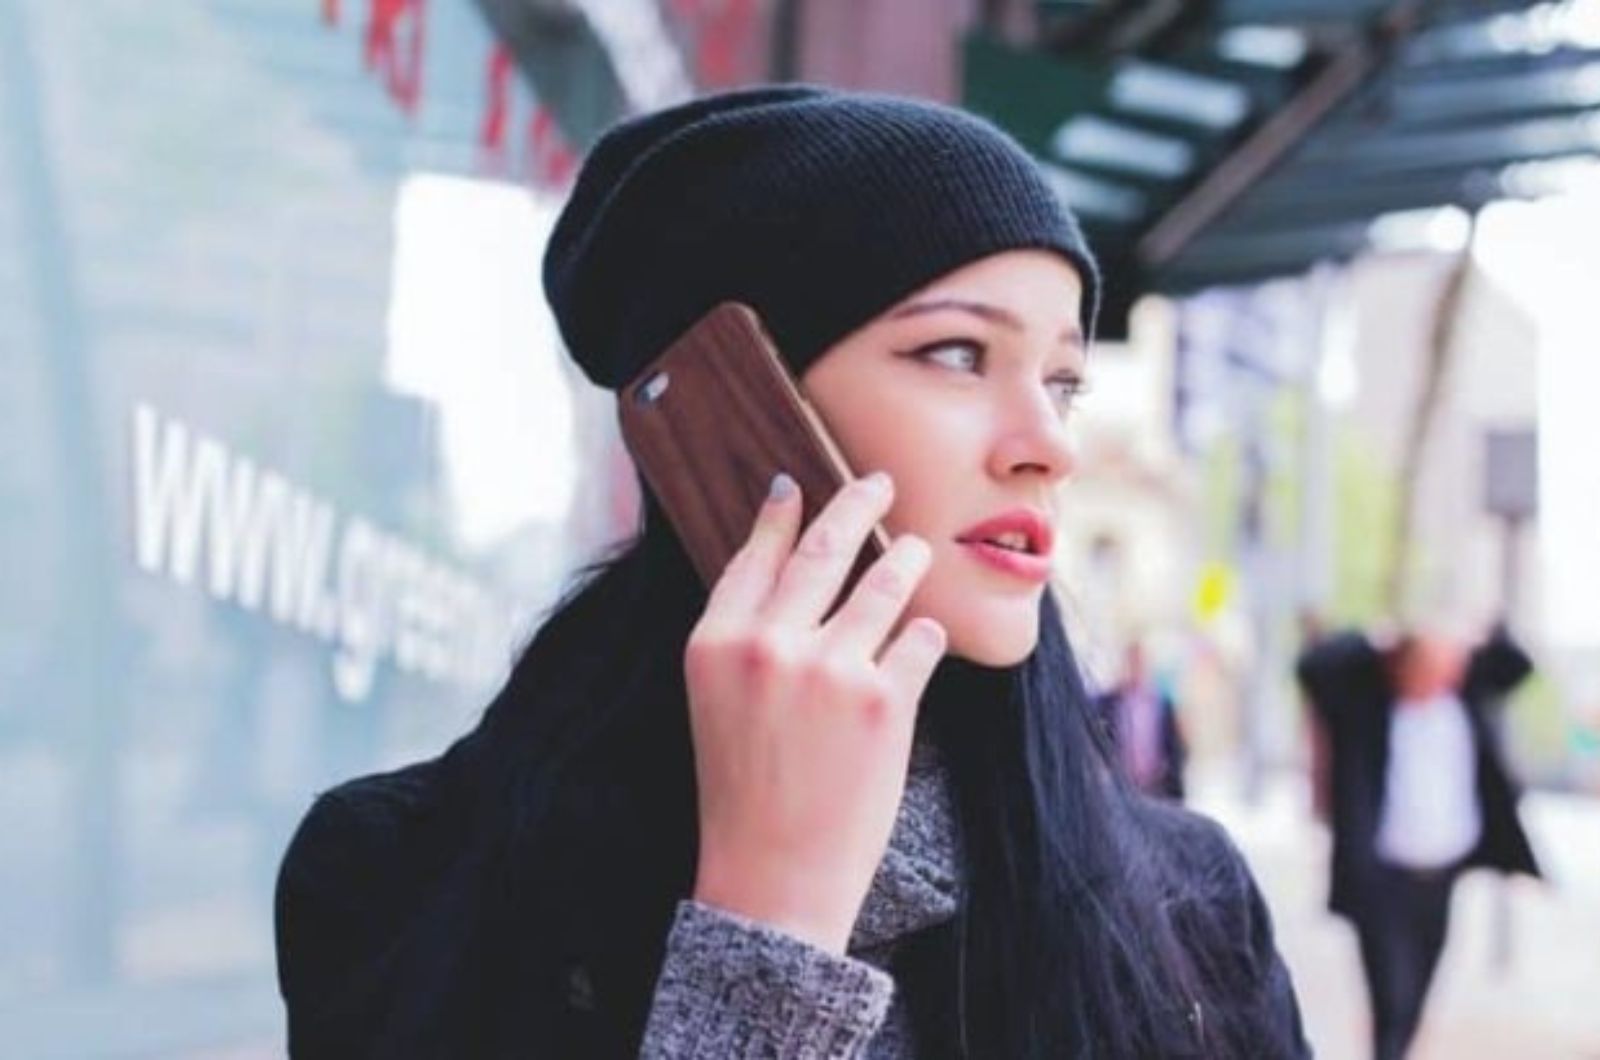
(746,822)
(1420,792)
(1141,720)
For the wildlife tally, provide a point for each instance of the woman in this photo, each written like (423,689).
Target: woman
(738,825)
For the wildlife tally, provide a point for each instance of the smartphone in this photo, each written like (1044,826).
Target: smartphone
(712,420)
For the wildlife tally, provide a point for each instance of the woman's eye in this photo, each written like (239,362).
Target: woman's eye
(959,356)
(1066,391)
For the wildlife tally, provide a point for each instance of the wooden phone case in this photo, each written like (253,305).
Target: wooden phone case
(712,420)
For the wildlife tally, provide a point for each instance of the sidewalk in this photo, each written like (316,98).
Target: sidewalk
(1545,1005)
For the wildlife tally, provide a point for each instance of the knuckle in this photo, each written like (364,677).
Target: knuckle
(762,654)
(821,541)
(898,572)
(928,640)
(831,675)
(878,701)
(925,636)
(888,579)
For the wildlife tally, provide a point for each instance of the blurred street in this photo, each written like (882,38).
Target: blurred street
(1529,1010)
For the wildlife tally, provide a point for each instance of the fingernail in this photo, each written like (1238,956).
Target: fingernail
(879,482)
(783,487)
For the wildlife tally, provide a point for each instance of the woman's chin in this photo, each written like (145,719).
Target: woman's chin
(986,628)
(992,649)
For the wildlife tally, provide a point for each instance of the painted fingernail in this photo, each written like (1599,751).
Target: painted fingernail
(783,487)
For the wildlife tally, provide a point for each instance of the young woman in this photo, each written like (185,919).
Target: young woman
(746,823)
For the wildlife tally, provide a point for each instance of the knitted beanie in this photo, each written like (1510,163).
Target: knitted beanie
(818,208)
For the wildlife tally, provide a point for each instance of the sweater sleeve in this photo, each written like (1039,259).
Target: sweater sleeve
(731,988)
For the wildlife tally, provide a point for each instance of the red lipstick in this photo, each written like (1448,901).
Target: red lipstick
(1017,542)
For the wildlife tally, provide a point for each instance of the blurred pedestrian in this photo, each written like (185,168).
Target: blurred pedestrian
(1319,755)
(1141,720)
(749,823)
(1420,792)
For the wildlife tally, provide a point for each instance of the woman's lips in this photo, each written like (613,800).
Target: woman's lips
(1023,565)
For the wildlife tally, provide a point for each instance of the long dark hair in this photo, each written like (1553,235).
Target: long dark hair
(1064,945)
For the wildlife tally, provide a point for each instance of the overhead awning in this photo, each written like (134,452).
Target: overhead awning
(1217,143)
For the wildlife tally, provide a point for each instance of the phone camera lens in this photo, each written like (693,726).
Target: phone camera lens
(651,389)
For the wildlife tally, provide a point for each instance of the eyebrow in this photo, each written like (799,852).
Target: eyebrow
(1071,335)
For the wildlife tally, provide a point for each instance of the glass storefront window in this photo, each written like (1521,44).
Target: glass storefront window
(291,460)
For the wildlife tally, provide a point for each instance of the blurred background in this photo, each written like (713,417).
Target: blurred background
(291,460)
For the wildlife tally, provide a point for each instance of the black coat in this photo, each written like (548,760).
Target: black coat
(1347,683)
(402,936)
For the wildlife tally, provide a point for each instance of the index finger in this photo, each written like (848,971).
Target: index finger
(821,563)
(750,575)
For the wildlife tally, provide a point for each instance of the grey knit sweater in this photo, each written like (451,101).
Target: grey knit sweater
(731,989)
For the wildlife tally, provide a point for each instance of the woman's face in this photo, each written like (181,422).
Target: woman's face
(961,393)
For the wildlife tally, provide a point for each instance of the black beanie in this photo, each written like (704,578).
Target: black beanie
(818,208)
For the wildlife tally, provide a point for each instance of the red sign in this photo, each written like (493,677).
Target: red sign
(396,30)
(393,46)
(394,49)
(545,157)
(724,34)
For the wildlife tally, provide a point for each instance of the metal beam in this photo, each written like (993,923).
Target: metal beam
(1409,71)
(1408,151)
(1488,97)
(1225,261)
(1304,243)
(1336,200)
(1346,72)
(1280,12)
(1296,11)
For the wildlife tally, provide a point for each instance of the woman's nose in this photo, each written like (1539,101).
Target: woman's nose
(1032,438)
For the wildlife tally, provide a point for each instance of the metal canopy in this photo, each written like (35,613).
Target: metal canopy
(1235,140)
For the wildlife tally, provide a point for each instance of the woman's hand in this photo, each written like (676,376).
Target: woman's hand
(802,727)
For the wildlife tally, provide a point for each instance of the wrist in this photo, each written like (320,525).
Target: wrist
(780,901)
